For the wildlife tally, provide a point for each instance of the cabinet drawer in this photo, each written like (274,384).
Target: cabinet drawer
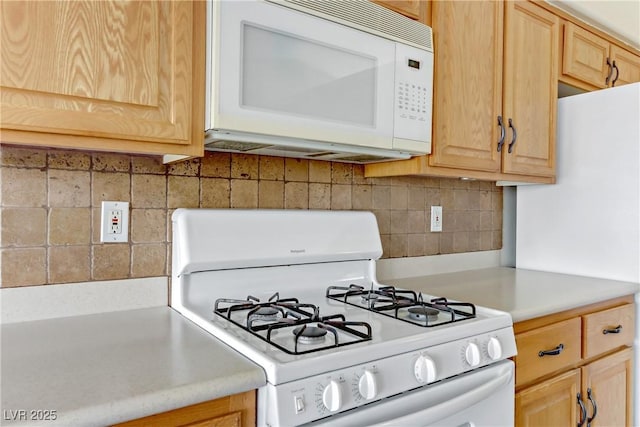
(608,329)
(531,363)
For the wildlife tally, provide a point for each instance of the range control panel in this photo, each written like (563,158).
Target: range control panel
(316,397)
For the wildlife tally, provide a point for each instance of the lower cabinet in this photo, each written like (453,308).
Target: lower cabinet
(238,410)
(575,368)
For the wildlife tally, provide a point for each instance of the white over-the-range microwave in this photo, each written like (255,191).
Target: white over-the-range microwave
(333,80)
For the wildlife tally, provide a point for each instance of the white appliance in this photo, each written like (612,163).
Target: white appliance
(588,223)
(332,80)
(295,292)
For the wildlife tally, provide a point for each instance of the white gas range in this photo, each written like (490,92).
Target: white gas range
(296,292)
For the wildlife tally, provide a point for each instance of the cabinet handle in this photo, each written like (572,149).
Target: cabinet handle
(613,83)
(515,136)
(503,133)
(595,408)
(606,81)
(583,411)
(556,351)
(615,330)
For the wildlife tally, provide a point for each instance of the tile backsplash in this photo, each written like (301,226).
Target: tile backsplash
(50,208)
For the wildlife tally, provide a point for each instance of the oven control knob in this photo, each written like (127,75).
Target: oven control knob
(367,385)
(425,369)
(472,354)
(494,348)
(331,396)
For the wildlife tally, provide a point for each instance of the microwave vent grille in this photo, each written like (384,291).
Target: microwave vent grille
(370,17)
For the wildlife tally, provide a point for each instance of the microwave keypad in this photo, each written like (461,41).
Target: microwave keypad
(412,101)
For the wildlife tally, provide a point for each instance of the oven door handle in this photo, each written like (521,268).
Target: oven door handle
(452,406)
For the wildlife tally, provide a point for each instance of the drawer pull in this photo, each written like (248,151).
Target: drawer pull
(615,330)
(556,351)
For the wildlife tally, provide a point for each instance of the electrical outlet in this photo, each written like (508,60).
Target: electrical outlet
(436,219)
(114,222)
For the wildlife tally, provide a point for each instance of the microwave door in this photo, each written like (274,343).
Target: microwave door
(284,72)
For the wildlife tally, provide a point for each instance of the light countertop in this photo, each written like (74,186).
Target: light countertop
(101,369)
(525,294)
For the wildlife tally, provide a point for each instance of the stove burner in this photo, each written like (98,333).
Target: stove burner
(310,334)
(422,312)
(265,313)
(370,298)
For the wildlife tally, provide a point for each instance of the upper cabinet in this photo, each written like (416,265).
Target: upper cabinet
(110,75)
(591,62)
(414,9)
(495,93)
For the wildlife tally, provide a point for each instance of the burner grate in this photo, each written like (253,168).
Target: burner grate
(403,304)
(285,314)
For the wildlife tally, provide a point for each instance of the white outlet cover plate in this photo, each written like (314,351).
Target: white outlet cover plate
(106,235)
(436,218)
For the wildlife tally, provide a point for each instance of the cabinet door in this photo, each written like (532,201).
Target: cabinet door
(467,84)
(103,72)
(550,403)
(610,382)
(530,89)
(585,56)
(627,64)
(414,9)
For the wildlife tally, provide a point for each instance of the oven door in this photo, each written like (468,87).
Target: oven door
(484,397)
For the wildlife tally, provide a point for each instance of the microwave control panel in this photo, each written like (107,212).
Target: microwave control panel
(413,94)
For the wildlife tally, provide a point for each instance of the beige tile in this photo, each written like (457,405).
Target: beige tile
(70,189)
(296,195)
(69,226)
(215,193)
(431,243)
(399,197)
(474,241)
(189,167)
(486,220)
(69,159)
(23,227)
(69,264)
(319,171)
(110,261)
(496,201)
(244,166)
(446,243)
(271,168)
(400,181)
(358,175)
(497,219)
(486,240)
(216,165)
(416,222)
(183,192)
(415,245)
(416,198)
(399,246)
(460,241)
(484,200)
(446,198)
(384,180)
(457,221)
(383,217)
(271,194)
(296,170)
(319,196)
(496,239)
(486,185)
(432,197)
(23,187)
(24,157)
(148,225)
(473,200)
(362,197)
(399,222)
(460,200)
(110,187)
(341,196)
(431,182)
(148,191)
(111,162)
(381,196)
(148,165)
(448,183)
(244,193)
(148,260)
(23,267)
(341,173)
(385,239)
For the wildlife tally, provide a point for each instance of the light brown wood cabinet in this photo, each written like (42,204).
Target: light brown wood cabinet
(111,75)
(414,9)
(592,62)
(571,363)
(238,410)
(495,93)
